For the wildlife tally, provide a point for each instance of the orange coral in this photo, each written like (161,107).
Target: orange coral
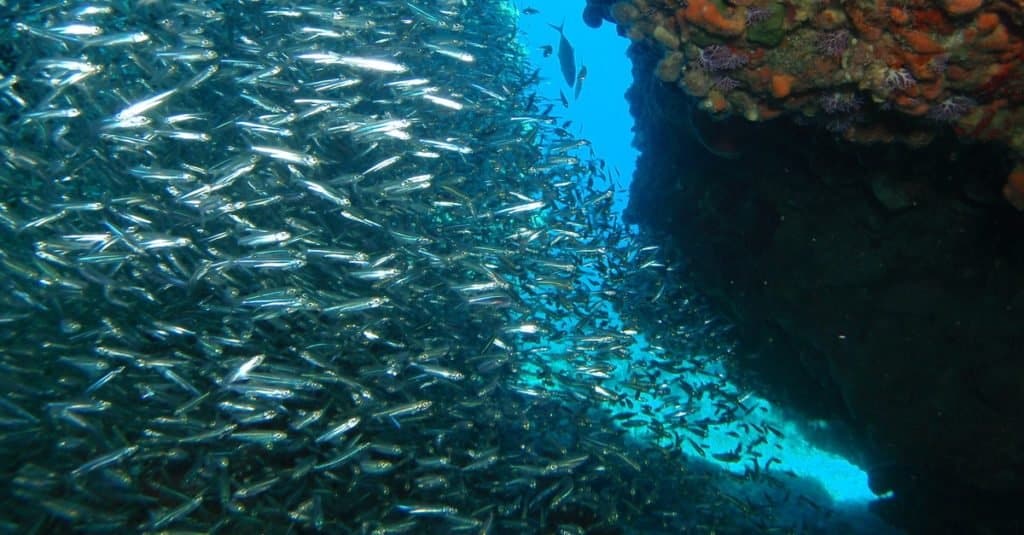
(899,16)
(920,65)
(1014,188)
(829,19)
(706,15)
(867,29)
(996,76)
(911,106)
(931,91)
(932,20)
(921,42)
(986,122)
(969,35)
(782,84)
(987,22)
(961,7)
(680,17)
(717,102)
(766,112)
(957,74)
(997,39)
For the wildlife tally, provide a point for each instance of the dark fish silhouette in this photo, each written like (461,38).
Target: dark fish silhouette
(547,50)
(566,56)
(531,11)
(579,82)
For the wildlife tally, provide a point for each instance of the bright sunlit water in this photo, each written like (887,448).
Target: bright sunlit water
(601,115)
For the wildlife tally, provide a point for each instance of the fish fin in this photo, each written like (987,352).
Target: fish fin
(560,27)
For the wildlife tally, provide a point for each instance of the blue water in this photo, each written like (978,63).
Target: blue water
(601,115)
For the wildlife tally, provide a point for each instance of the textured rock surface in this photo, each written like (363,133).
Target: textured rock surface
(878,285)
(868,70)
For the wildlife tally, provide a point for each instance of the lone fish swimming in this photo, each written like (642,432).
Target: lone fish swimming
(566,56)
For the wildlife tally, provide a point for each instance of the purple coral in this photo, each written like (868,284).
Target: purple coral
(725,83)
(951,109)
(720,58)
(756,15)
(939,63)
(834,43)
(840,125)
(834,103)
(898,79)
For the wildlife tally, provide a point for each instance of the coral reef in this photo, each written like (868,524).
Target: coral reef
(918,66)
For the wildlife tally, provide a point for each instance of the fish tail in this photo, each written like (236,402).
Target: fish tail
(558,28)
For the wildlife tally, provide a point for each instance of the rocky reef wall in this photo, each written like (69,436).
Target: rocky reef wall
(849,209)
(879,71)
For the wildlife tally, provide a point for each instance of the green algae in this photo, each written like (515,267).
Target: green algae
(770,31)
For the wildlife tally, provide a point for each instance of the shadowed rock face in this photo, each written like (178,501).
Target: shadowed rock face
(880,286)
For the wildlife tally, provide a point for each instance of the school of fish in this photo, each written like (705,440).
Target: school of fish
(274,267)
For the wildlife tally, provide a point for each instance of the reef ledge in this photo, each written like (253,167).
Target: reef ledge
(842,181)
